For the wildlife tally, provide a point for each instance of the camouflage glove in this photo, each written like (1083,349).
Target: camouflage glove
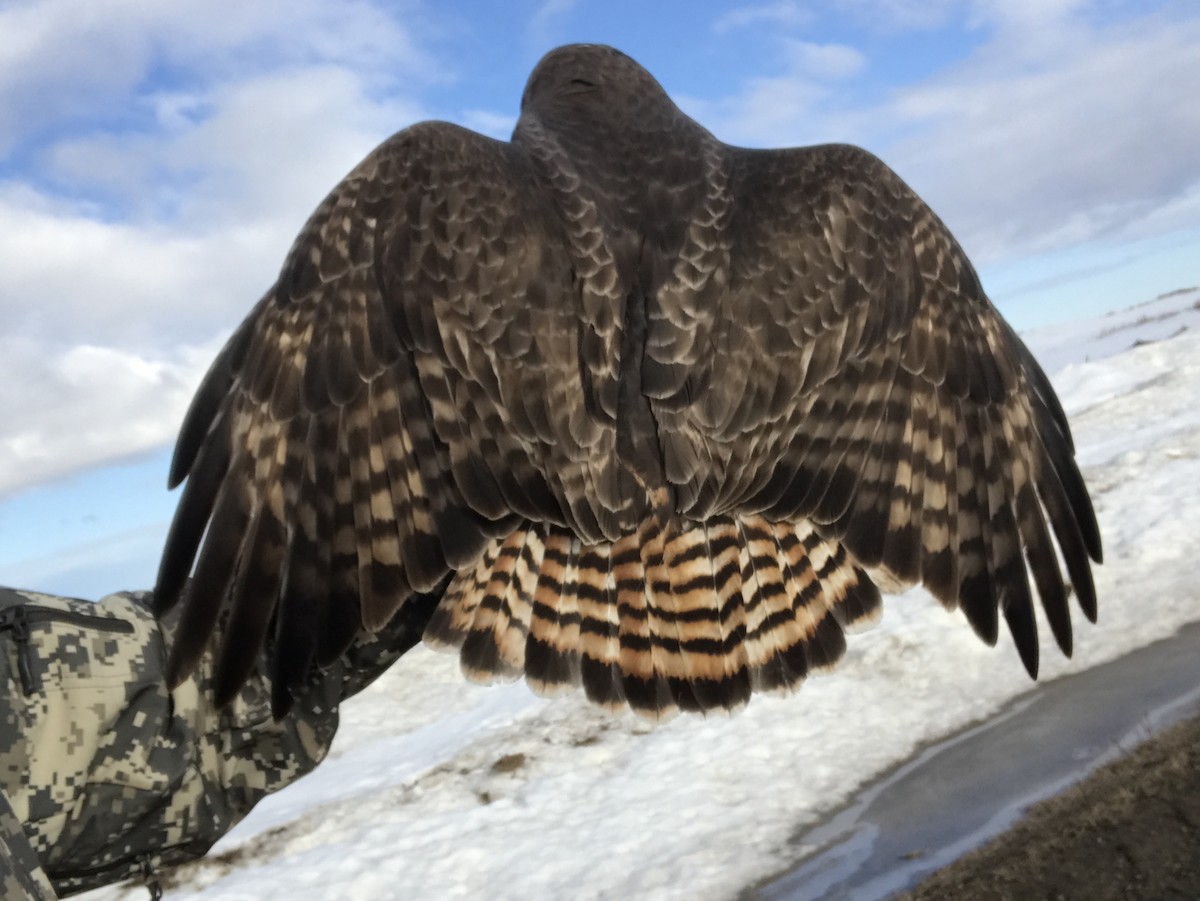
(112,775)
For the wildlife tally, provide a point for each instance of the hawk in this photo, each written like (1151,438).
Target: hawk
(618,405)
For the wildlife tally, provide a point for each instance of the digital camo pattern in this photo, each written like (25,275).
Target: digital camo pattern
(111,775)
(21,874)
(638,368)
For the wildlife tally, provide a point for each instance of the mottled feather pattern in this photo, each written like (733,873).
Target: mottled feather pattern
(648,412)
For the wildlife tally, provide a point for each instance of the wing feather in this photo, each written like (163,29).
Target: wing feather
(437,380)
(861,379)
(343,613)
(305,593)
(410,370)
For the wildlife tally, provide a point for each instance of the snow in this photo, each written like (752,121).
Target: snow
(1085,340)
(440,789)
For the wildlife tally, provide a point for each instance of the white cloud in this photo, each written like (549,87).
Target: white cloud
(1028,17)
(163,156)
(767,112)
(1067,148)
(61,58)
(1021,15)
(546,19)
(904,14)
(791,108)
(70,278)
(496,125)
(153,209)
(1054,131)
(826,60)
(88,403)
(784,13)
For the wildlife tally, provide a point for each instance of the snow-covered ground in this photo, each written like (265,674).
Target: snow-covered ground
(440,789)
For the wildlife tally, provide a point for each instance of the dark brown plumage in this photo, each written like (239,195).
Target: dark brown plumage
(643,407)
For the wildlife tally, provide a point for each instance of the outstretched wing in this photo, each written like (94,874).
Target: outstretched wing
(854,374)
(831,390)
(406,391)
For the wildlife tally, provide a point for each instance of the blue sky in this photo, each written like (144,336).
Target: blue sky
(156,160)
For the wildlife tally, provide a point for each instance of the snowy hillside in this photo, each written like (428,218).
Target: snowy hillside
(440,789)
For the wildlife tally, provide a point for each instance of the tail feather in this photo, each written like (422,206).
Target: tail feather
(599,628)
(721,543)
(677,616)
(552,649)
(774,637)
(643,676)
(494,647)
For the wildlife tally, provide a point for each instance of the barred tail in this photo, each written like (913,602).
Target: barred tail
(693,616)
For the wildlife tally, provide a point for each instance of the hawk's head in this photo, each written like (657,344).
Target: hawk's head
(597,86)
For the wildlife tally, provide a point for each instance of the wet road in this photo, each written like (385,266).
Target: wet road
(957,794)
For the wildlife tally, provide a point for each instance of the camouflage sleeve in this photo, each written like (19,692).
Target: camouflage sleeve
(21,875)
(112,775)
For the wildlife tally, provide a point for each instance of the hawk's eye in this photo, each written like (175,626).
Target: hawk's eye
(582,83)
